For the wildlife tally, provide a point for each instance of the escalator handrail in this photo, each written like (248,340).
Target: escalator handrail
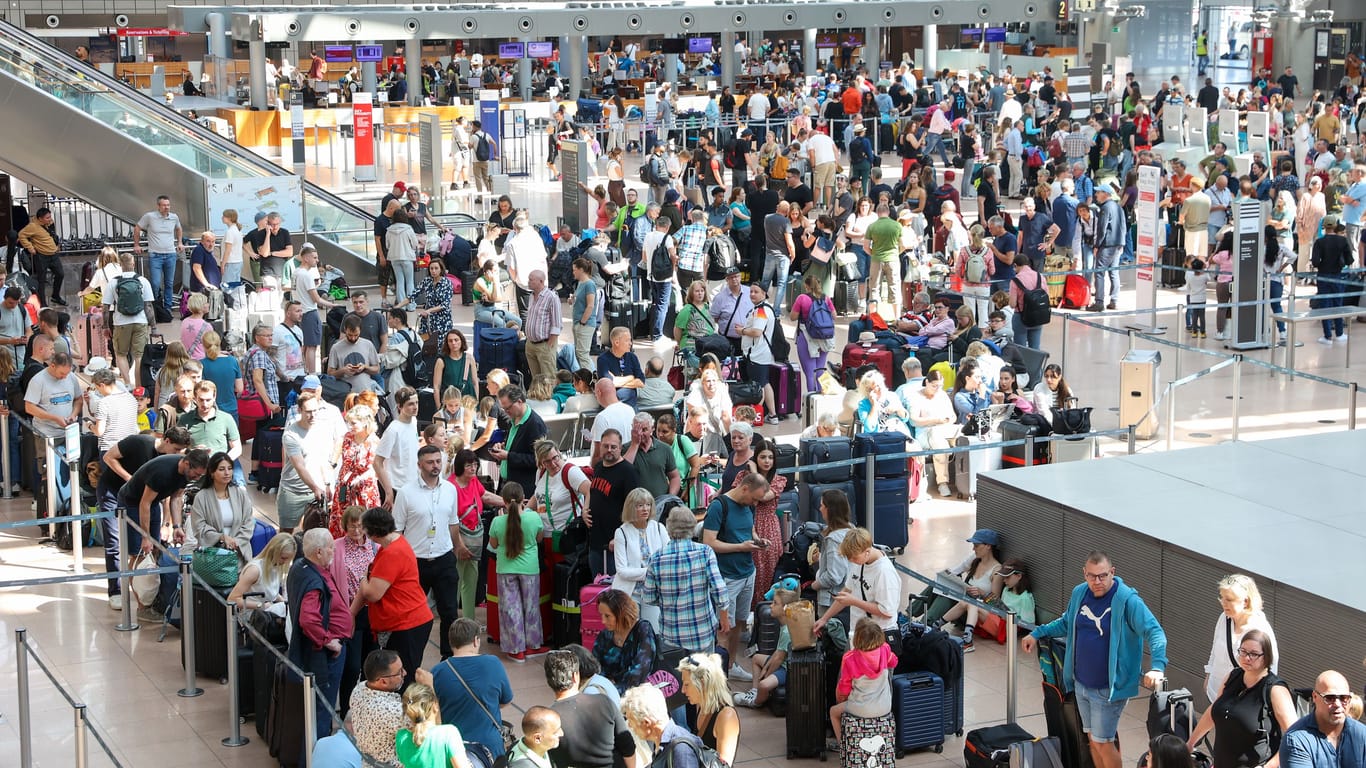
(135,103)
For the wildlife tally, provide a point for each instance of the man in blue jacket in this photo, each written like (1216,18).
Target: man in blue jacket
(1106,625)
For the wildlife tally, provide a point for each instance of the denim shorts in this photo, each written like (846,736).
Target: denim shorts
(739,595)
(312,326)
(1099,715)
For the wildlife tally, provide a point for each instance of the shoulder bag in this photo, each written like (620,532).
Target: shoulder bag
(503,726)
(1073,421)
(216,566)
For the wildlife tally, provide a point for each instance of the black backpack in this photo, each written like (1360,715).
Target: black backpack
(482,151)
(934,206)
(417,371)
(858,150)
(627,242)
(1035,307)
(661,264)
(781,349)
(706,756)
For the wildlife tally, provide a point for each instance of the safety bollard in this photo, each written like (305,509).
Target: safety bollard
(310,719)
(50,481)
(1133,438)
(1012,652)
(128,624)
(1062,354)
(869,496)
(4,452)
(187,630)
(1029,451)
(82,752)
(1171,415)
(235,737)
(1133,339)
(1352,405)
(1237,392)
(73,461)
(25,708)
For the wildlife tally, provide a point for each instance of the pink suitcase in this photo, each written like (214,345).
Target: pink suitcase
(590,620)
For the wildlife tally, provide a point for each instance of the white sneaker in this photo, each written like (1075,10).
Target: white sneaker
(1342,339)
(116,602)
(1221,336)
(747,698)
(1325,341)
(739,673)
(944,490)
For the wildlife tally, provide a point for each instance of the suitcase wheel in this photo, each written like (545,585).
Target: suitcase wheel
(939,748)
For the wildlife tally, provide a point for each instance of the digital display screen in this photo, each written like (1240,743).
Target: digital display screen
(972,34)
(511,50)
(838,39)
(699,45)
(540,50)
(996,34)
(369,53)
(338,53)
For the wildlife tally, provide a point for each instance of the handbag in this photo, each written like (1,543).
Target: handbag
(145,586)
(745,392)
(251,408)
(268,625)
(503,726)
(315,516)
(216,566)
(1072,421)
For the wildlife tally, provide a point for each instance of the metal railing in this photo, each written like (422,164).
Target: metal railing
(25,650)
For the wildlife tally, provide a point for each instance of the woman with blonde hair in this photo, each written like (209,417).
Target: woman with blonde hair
(1242,612)
(357,484)
(262,583)
(639,535)
(224,371)
(107,272)
(194,327)
(976,264)
(540,396)
(426,742)
(716,722)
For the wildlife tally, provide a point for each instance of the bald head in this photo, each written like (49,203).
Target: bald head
(605,391)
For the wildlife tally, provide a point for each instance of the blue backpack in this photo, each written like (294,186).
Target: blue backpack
(820,321)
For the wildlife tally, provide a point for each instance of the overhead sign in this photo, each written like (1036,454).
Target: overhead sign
(369,53)
(540,50)
(149,32)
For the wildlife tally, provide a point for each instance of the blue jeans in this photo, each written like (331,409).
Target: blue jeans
(774,279)
(1106,257)
(1025,335)
(861,254)
(933,142)
(232,274)
(162,279)
(660,296)
(1277,289)
(1331,328)
(1099,715)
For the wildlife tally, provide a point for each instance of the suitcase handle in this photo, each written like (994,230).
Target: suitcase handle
(922,682)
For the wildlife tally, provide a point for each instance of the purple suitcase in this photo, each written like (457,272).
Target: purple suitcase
(786,379)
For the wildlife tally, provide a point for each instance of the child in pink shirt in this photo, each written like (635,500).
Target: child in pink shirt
(865,686)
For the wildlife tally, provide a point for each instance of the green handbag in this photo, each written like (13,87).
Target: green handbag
(215,566)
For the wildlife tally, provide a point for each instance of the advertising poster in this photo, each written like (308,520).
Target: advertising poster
(363,120)
(271,194)
(1146,222)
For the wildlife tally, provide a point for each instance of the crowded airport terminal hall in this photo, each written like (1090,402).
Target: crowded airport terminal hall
(682,384)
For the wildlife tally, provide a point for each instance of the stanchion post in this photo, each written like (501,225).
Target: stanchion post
(49,478)
(1029,451)
(869,497)
(1352,405)
(1133,438)
(187,639)
(4,452)
(82,753)
(1133,339)
(1012,651)
(1062,355)
(73,462)
(128,624)
(1237,391)
(310,719)
(235,737)
(1171,414)
(25,706)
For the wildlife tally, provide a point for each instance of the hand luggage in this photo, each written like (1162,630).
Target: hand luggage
(785,456)
(590,620)
(467,287)
(846,298)
(153,358)
(766,628)
(1064,723)
(918,706)
(818,403)
(933,650)
(984,457)
(786,379)
(857,355)
(807,708)
(818,450)
(269,447)
(261,536)
(210,634)
(810,500)
(1037,753)
(497,349)
(571,576)
(880,444)
(1173,268)
(1076,292)
(620,314)
(491,614)
(285,731)
(1171,712)
(1072,449)
(947,373)
(1055,265)
(889,520)
(990,747)
(263,663)
(1014,455)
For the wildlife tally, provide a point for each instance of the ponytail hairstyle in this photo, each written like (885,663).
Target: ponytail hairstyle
(514,541)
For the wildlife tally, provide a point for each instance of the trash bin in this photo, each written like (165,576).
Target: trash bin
(1138,391)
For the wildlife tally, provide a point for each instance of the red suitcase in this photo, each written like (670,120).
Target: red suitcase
(590,619)
(1076,292)
(858,354)
(786,379)
(491,602)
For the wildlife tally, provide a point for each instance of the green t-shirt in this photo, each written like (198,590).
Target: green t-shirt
(652,468)
(527,563)
(214,434)
(1022,604)
(784,644)
(695,322)
(885,237)
(439,746)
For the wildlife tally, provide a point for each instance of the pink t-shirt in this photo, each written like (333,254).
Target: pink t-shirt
(192,331)
(469,503)
(802,306)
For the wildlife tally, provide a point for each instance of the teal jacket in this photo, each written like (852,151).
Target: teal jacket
(1131,625)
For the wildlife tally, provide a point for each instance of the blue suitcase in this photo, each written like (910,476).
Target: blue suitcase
(880,444)
(819,450)
(891,510)
(497,349)
(918,707)
(811,498)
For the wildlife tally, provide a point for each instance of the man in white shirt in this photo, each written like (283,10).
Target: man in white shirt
(756,344)
(758,105)
(614,414)
(425,513)
(288,350)
(396,458)
(131,332)
(824,157)
(306,282)
(525,253)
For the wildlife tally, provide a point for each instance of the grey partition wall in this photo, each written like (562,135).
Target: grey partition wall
(1286,512)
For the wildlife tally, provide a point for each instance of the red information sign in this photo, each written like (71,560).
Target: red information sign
(149,32)
(363,121)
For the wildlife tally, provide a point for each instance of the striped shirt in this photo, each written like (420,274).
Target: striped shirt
(682,579)
(543,316)
(690,240)
(119,412)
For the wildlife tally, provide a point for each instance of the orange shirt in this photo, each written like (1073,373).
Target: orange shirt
(1181,188)
(852,99)
(404,605)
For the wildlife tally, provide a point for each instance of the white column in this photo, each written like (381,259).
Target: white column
(727,54)
(412,55)
(810,58)
(872,50)
(524,73)
(256,61)
(369,80)
(931,44)
(574,65)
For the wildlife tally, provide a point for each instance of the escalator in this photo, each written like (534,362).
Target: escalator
(69,126)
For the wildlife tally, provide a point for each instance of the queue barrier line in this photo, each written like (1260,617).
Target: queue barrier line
(12,524)
(25,651)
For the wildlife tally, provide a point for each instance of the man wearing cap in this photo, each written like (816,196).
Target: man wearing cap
(1111,230)
(306,282)
(397,193)
(53,400)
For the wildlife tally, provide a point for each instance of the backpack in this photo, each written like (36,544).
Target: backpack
(975,270)
(1116,146)
(628,243)
(721,255)
(778,344)
(661,264)
(733,158)
(858,150)
(482,151)
(934,206)
(128,295)
(1035,307)
(820,321)
(417,373)
(706,756)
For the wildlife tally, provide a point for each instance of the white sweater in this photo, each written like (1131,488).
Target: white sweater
(630,554)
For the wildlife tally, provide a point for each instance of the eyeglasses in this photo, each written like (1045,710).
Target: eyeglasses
(400,673)
(1245,654)
(1330,699)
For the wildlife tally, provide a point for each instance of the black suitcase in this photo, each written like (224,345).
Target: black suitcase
(1173,268)
(467,287)
(785,457)
(263,664)
(1171,712)
(246,681)
(990,747)
(497,349)
(918,706)
(1014,455)
(807,708)
(153,358)
(891,508)
(210,634)
(846,298)
(571,576)
(269,447)
(880,444)
(642,314)
(766,628)
(285,730)
(818,450)
(1064,723)
(1038,753)
(810,502)
(621,314)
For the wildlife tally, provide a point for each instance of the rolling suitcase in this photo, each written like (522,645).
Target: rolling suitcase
(153,358)
(1014,455)
(210,634)
(467,287)
(571,576)
(880,444)
(1173,268)
(497,349)
(857,355)
(918,706)
(590,620)
(786,379)
(807,709)
(766,628)
(1037,753)
(491,614)
(285,731)
(1171,712)
(810,500)
(990,747)
(819,450)
(1076,292)
(818,403)
(1064,723)
(967,464)
(263,663)
(846,297)
(1072,449)
(269,447)
(889,520)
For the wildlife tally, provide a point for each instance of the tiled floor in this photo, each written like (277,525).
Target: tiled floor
(130,681)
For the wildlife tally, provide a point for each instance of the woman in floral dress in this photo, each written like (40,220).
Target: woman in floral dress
(433,299)
(766,523)
(357,485)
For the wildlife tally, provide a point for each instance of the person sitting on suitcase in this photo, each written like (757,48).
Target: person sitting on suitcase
(770,670)
(1106,626)
(864,692)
